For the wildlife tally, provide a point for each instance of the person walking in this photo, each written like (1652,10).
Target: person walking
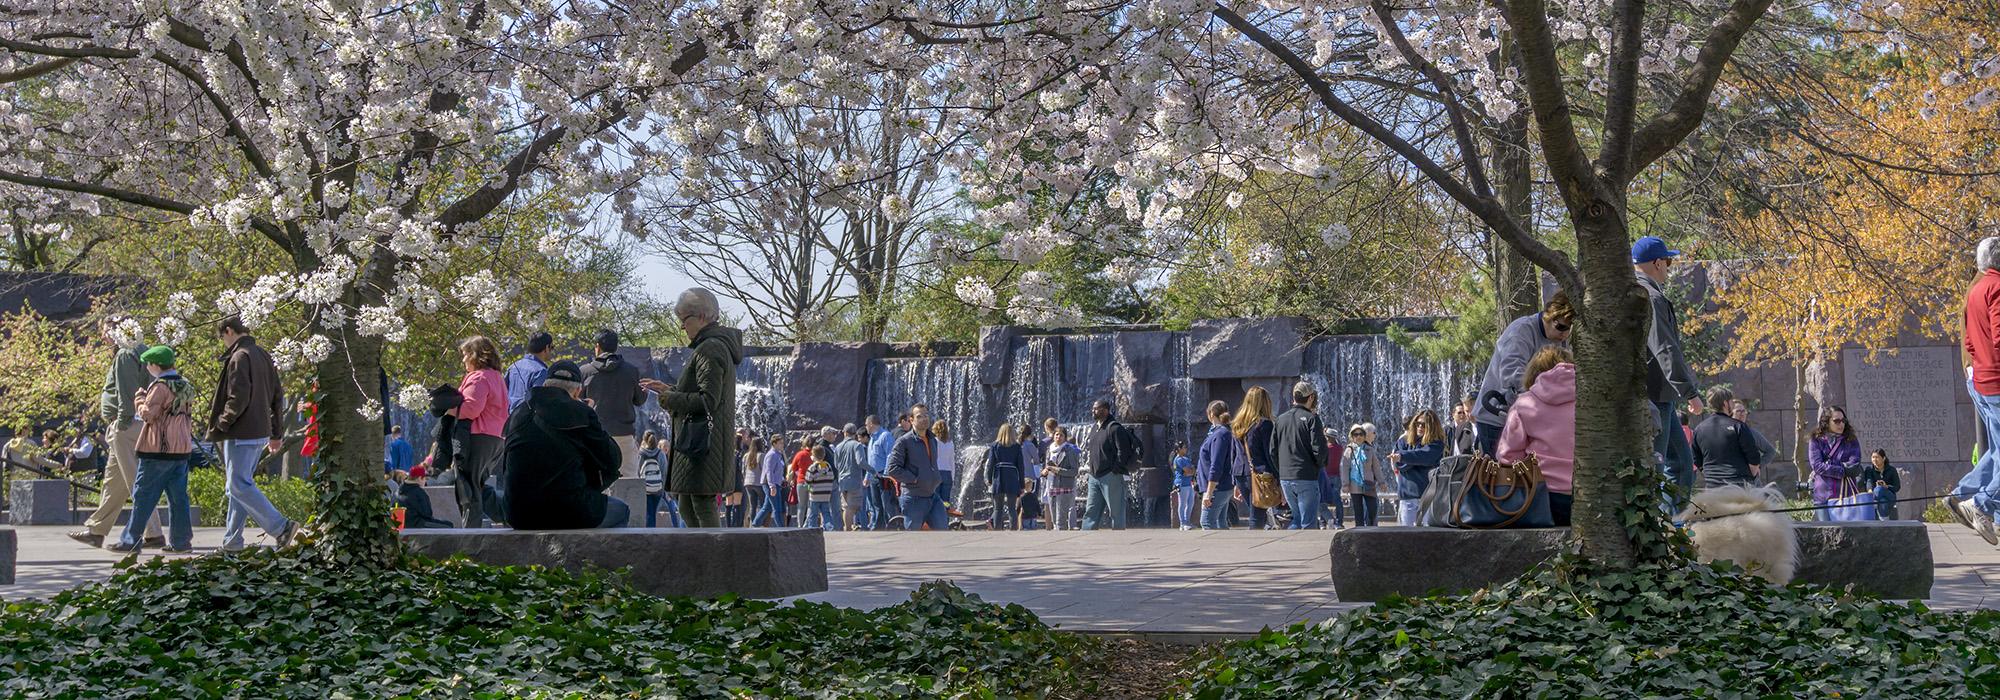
(914,466)
(850,462)
(819,481)
(166,438)
(245,412)
(122,381)
(1253,428)
(559,460)
(652,471)
(1187,501)
(1882,477)
(1517,344)
(947,463)
(1418,452)
(1005,477)
(753,483)
(481,419)
(1214,468)
(880,443)
(611,387)
(398,455)
(1725,448)
(1059,471)
(1543,423)
(1835,456)
(1300,452)
(772,475)
(1669,381)
(1360,472)
(702,408)
(1113,453)
(799,505)
(1975,499)
(529,371)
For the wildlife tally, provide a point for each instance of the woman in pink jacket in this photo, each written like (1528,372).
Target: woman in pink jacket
(480,420)
(1542,422)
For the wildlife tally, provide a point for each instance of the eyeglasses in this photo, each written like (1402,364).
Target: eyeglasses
(1838,420)
(1562,328)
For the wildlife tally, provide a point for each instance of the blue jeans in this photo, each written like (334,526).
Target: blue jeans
(1672,444)
(616,513)
(878,515)
(822,516)
(1303,497)
(245,500)
(1190,506)
(919,511)
(1984,479)
(656,501)
(1107,492)
(1216,515)
(773,505)
(944,492)
(155,477)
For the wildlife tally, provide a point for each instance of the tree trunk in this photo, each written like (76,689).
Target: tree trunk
(1515,280)
(1613,429)
(353,523)
(1800,424)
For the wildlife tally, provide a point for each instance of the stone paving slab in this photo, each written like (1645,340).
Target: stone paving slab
(1136,581)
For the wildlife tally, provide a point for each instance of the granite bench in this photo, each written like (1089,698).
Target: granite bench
(703,563)
(1888,559)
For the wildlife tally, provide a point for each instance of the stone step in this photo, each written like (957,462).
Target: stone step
(703,563)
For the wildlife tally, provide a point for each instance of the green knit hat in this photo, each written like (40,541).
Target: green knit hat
(158,355)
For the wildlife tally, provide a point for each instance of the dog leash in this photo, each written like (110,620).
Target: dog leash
(1802,509)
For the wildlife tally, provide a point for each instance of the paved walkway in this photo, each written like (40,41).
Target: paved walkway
(1153,581)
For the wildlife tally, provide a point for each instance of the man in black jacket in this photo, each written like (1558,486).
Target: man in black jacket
(559,460)
(1724,447)
(1301,455)
(1114,454)
(612,386)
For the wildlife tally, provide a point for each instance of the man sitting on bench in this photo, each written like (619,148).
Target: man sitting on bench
(559,460)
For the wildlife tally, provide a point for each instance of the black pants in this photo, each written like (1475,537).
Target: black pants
(1364,509)
(1559,506)
(1006,511)
(1486,438)
(478,455)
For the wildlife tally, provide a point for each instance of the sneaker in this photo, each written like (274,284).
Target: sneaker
(122,548)
(87,538)
(177,550)
(156,541)
(285,536)
(1958,511)
(233,548)
(1979,522)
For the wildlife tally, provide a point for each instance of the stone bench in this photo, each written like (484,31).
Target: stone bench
(10,550)
(703,563)
(1889,559)
(39,502)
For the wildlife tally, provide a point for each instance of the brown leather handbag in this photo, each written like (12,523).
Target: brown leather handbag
(1498,495)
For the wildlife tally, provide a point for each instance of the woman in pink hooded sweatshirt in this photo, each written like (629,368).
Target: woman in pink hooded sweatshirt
(1542,422)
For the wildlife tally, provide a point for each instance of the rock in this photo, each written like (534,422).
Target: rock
(996,353)
(10,550)
(1141,375)
(1372,563)
(631,490)
(704,563)
(1891,559)
(1246,347)
(40,502)
(1887,559)
(837,374)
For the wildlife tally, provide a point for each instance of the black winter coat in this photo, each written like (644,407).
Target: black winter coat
(558,462)
(1299,444)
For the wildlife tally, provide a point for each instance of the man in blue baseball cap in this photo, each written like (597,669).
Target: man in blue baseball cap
(1668,379)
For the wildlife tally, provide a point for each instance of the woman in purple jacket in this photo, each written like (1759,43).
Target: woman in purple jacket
(1836,457)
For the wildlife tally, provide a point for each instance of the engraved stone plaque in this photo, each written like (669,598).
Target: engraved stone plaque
(1906,403)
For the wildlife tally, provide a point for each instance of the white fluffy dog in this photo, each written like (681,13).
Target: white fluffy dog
(1735,523)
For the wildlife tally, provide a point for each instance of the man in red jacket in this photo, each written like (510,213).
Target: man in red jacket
(1974,500)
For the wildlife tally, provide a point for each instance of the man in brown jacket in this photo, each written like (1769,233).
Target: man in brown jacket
(246,411)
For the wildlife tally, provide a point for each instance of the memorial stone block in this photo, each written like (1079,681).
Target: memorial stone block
(40,502)
(1907,403)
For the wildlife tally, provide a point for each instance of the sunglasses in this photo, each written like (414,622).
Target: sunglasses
(1562,328)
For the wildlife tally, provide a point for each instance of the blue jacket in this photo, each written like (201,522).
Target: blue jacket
(879,447)
(400,455)
(1181,467)
(1213,467)
(914,465)
(526,373)
(1413,474)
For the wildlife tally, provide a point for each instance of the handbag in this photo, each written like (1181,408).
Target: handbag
(1854,504)
(692,438)
(1498,495)
(1264,489)
(1434,509)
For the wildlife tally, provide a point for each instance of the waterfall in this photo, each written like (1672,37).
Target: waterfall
(949,385)
(1368,378)
(762,387)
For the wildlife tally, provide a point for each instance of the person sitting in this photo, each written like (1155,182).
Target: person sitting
(1543,423)
(410,496)
(559,460)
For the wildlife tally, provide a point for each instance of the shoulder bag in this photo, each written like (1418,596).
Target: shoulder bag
(1497,495)
(1264,489)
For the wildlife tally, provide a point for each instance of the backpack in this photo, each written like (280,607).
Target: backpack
(649,470)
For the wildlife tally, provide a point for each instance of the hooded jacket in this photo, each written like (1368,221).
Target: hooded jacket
(706,391)
(1511,353)
(614,384)
(1543,423)
(558,462)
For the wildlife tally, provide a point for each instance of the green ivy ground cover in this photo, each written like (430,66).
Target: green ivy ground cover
(266,625)
(1660,632)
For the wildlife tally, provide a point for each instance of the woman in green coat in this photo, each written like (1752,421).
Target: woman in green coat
(705,394)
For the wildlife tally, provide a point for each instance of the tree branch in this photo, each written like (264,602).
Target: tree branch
(36,70)
(270,230)
(1659,136)
(1475,168)
(1542,73)
(1621,100)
